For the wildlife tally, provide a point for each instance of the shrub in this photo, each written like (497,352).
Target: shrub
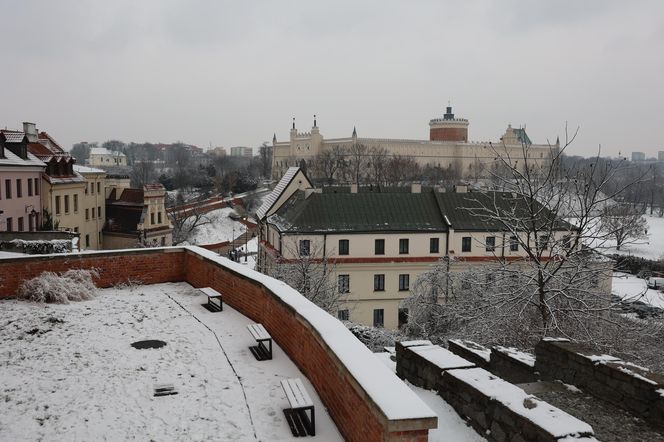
(73,285)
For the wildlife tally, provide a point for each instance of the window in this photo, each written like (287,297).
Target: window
(57,205)
(403,246)
(87,214)
(152,218)
(75,203)
(36,186)
(98,211)
(379,283)
(98,187)
(87,240)
(10,224)
(343,247)
(29,186)
(8,189)
(404,282)
(305,247)
(379,317)
(163,241)
(543,242)
(403,316)
(434,245)
(343,315)
(66,203)
(20,223)
(379,247)
(159,217)
(490,243)
(19,188)
(344,283)
(514,244)
(93,213)
(92,188)
(465,243)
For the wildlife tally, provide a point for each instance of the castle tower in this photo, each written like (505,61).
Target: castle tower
(448,128)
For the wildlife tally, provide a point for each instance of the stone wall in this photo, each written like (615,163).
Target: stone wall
(354,410)
(470,351)
(512,365)
(624,384)
(495,408)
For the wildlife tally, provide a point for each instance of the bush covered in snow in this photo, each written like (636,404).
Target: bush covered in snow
(73,285)
(373,337)
(42,247)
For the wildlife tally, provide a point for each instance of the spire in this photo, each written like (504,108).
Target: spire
(354,132)
(293,123)
(314,120)
(557,141)
(274,138)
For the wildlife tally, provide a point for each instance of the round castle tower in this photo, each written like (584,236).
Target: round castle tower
(448,128)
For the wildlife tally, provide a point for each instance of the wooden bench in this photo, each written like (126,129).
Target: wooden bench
(261,352)
(300,402)
(212,295)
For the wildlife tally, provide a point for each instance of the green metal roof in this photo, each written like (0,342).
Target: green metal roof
(523,136)
(404,212)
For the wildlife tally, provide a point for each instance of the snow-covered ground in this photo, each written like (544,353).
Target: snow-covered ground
(630,288)
(69,372)
(451,427)
(220,228)
(652,248)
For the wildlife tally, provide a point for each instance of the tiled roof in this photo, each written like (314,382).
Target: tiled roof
(104,151)
(276,192)
(11,159)
(13,137)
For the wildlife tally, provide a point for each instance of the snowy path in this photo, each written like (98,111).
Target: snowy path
(69,373)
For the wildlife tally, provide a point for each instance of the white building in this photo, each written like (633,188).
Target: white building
(100,156)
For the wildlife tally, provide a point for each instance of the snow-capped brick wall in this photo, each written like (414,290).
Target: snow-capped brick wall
(365,399)
(422,365)
(626,385)
(502,411)
(512,364)
(470,351)
(145,266)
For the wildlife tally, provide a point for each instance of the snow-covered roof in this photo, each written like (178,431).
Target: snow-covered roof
(87,169)
(14,137)
(104,151)
(277,191)
(11,159)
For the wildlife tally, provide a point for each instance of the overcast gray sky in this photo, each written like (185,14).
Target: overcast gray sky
(233,73)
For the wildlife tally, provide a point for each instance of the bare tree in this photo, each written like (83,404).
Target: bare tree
(313,276)
(401,169)
(358,155)
(185,219)
(328,163)
(142,172)
(377,164)
(625,224)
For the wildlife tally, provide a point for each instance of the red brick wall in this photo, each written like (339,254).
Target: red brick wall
(149,266)
(448,134)
(356,416)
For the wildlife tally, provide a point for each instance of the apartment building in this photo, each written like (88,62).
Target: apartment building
(102,157)
(380,241)
(20,184)
(94,207)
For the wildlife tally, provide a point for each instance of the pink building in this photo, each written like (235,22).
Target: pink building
(20,184)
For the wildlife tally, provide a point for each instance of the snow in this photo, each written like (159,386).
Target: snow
(11,254)
(474,347)
(441,357)
(548,417)
(220,228)
(87,169)
(661,392)
(451,427)
(630,288)
(272,198)
(387,391)
(415,343)
(517,354)
(80,379)
(600,358)
(552,339)
(653,248)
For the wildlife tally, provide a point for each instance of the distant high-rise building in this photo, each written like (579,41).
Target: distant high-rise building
(638,156)
(660,155)
(241,151)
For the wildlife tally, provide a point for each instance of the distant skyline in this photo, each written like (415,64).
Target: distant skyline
(235,73)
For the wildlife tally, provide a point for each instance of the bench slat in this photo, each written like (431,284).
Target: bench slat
(258,332)
(296,394)
(209,291)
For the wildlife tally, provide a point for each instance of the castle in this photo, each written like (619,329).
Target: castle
(447,147)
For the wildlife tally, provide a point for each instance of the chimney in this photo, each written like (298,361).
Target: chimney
(30,130)
(416,188)
(353,188)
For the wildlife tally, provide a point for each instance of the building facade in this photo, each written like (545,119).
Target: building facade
(137,218)
(379,242)
(102,157)
(20,184)
(94,207)
(448,147)
(242,151)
